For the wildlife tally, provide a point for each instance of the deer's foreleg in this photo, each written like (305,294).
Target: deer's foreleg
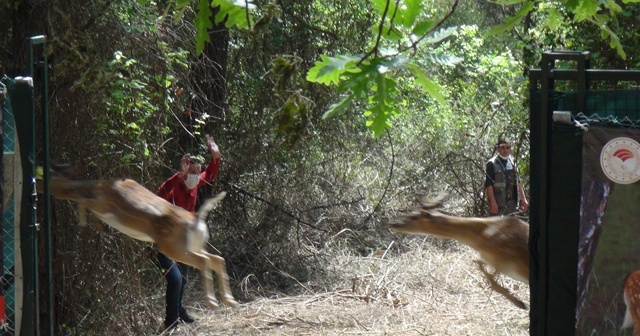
(501,290)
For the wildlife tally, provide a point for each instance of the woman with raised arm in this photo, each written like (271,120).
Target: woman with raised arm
(181,189)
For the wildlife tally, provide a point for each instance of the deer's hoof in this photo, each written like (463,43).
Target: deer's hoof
(230,301)
(520,304)
(212,303)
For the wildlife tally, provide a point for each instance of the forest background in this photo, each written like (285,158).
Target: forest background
(331,117)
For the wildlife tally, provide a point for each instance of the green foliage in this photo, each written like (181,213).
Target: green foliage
(449,144)
(584,37)
(292,120)
(270,12)
(134,97)
(369,79)
(403,27)
(375,75)
(340,107)
(427,84)
(511,22)
(409,23)
(293,115)
(404,14)
(203,24)
(234,13)
(381,104)
(285,68)
(598,13)
(135,93)
(329,70)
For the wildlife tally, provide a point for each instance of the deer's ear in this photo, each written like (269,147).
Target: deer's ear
(432,203)
(422,199)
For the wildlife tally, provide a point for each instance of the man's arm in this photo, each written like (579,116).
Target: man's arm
(524,204)
(488,184)
(493,205)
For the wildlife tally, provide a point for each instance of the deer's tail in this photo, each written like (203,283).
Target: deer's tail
(208,205)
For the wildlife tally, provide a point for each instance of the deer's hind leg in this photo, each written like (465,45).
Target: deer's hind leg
(198,261)
(217,264)
(201,262)
(501,290)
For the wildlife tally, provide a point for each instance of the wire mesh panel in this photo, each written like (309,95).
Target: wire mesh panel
(8,223)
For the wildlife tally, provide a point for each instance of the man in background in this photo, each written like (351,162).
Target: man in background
(501,183)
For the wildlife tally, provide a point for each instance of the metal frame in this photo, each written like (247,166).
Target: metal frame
(543,83)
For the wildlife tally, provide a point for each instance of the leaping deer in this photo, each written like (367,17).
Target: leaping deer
(631,293)
(132,209)
(501,241)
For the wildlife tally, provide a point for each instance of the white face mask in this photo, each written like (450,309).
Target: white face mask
(503,157)
(192,181)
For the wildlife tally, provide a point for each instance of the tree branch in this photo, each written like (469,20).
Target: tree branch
(256,197)
(380,29)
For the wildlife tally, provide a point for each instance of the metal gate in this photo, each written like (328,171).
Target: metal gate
(567,99)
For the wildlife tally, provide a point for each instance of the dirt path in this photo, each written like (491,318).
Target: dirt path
(429,291)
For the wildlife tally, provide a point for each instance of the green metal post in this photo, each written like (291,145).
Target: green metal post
(41,39)
(36,318)
(36,282)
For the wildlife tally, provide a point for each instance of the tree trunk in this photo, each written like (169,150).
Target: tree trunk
(209,79)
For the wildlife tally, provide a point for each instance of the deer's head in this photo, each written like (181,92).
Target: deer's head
(425,219)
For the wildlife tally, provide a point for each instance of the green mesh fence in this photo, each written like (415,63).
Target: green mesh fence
(617,107)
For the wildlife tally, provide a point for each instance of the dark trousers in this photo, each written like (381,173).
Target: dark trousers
(177,276)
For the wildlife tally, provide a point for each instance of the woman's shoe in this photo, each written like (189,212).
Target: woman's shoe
(168,327)
(186,318)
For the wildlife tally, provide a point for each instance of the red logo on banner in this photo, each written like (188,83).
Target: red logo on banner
(620,160)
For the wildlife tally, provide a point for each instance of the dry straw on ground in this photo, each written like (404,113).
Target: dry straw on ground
(419,286)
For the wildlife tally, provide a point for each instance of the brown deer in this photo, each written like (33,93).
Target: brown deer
(137,212)
(501,241)
(631,295)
